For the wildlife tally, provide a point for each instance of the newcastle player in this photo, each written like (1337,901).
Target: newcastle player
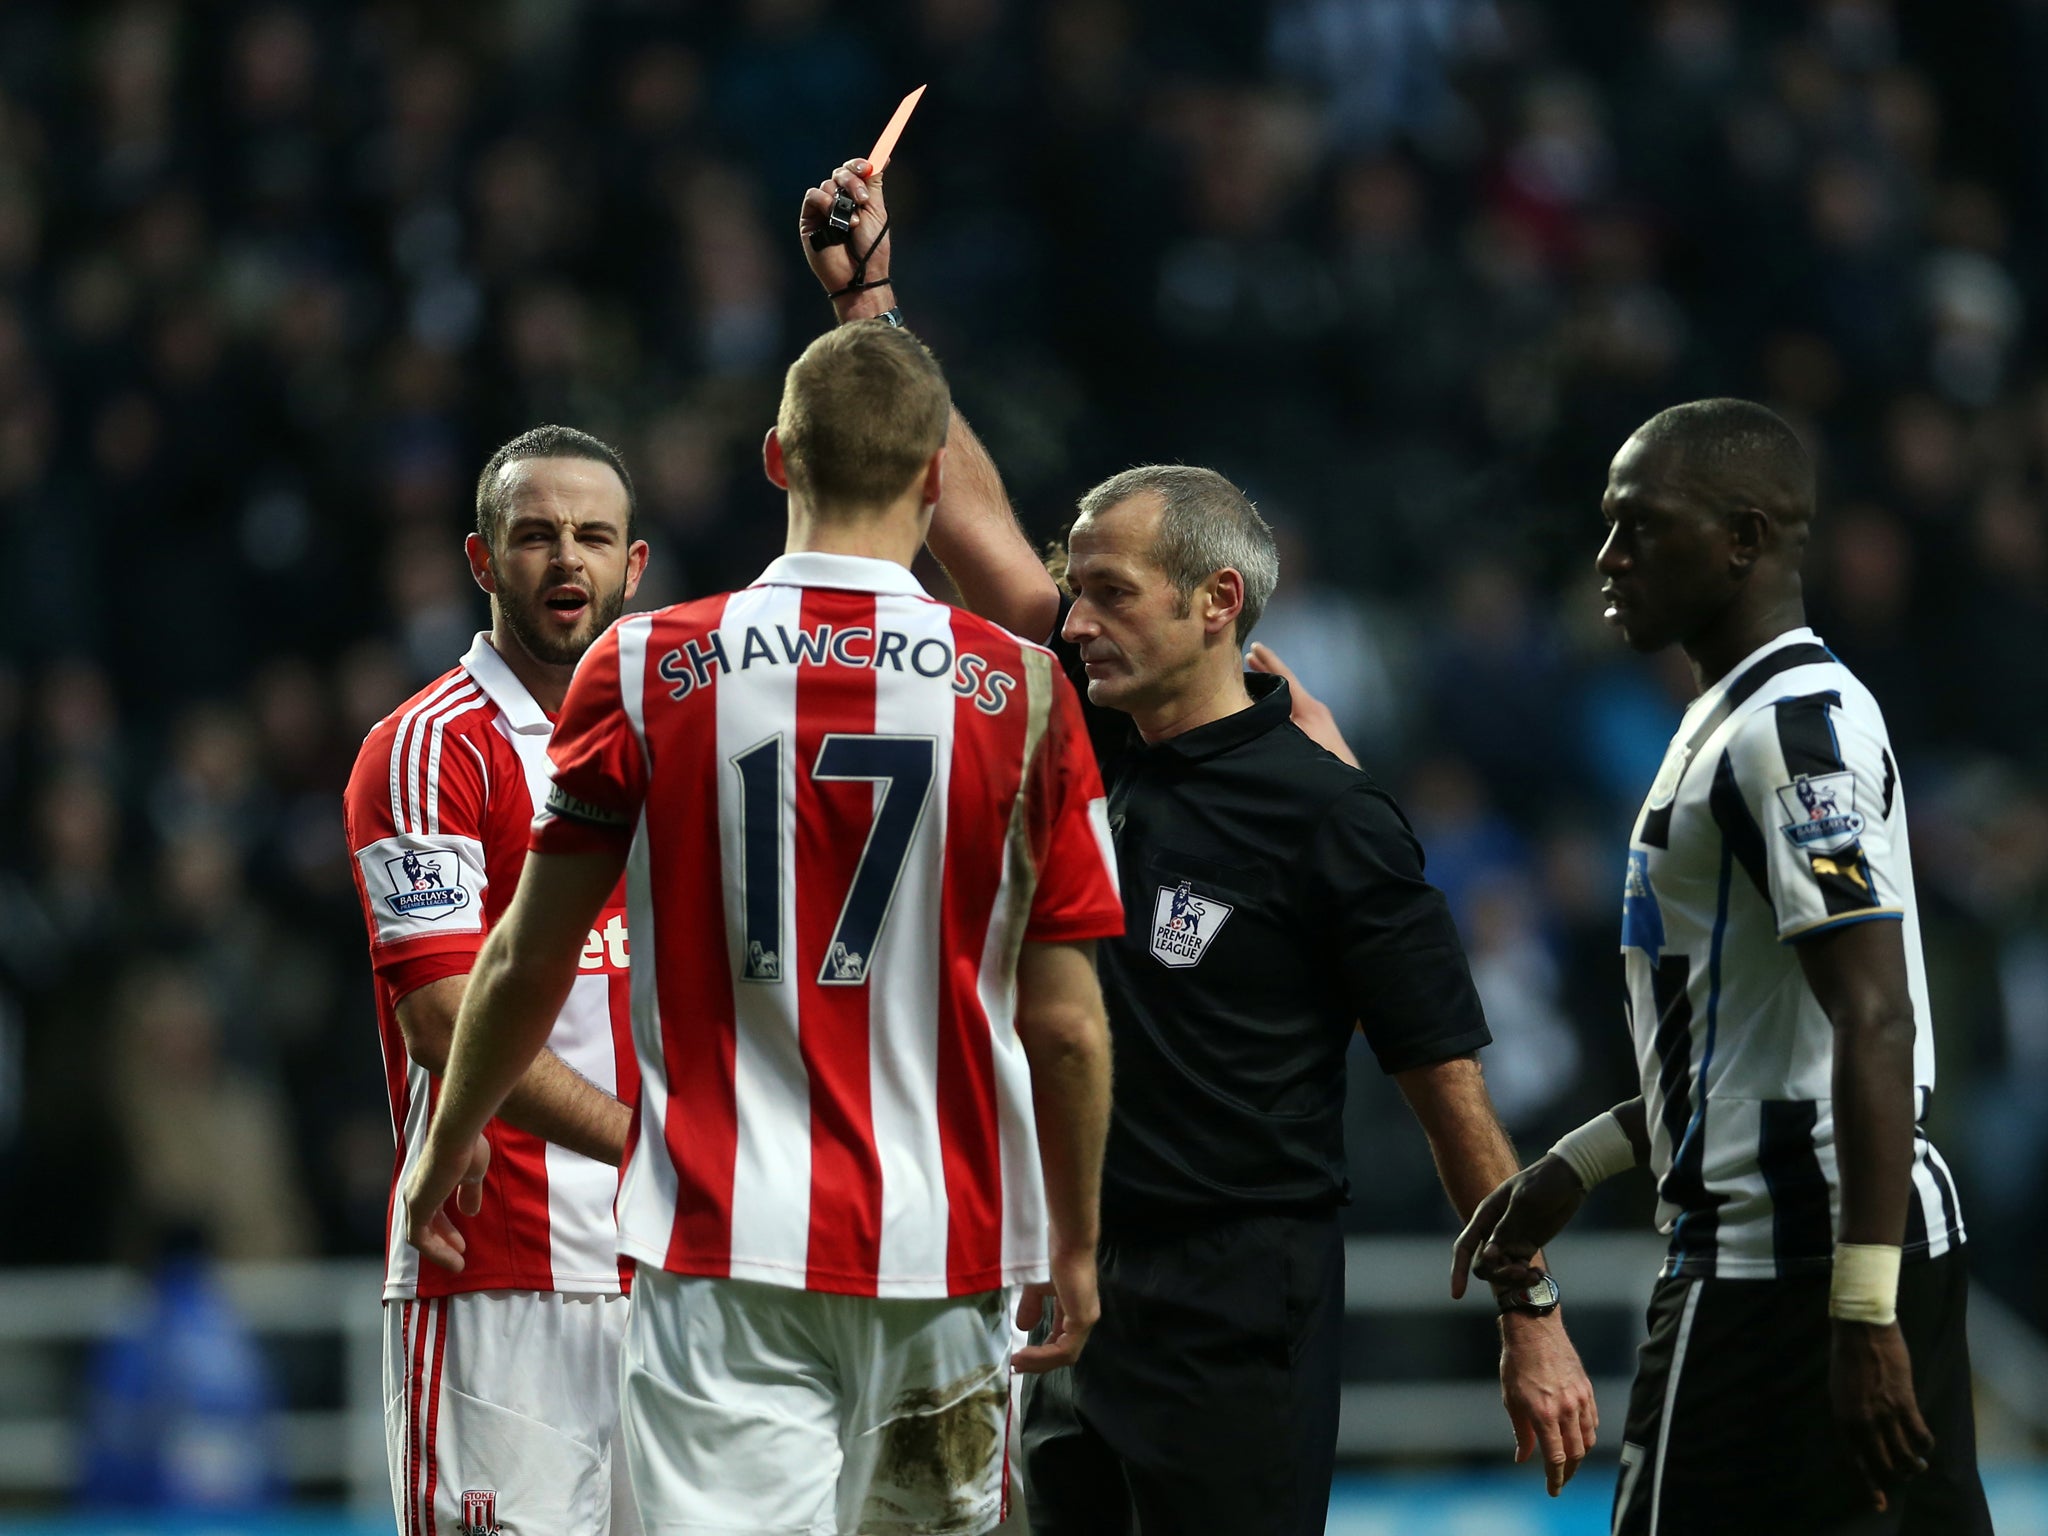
(1806,1369)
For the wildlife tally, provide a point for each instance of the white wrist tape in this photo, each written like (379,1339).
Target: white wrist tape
(1866,1284)
(1597,1150)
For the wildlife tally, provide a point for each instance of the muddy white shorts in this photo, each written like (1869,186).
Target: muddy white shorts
(501,1415)
(758,1410)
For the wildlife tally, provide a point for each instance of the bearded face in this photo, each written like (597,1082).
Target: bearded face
(563,564)
(558,623)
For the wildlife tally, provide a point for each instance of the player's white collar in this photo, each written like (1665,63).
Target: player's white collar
(1803,635)
(502,686)
(853,573)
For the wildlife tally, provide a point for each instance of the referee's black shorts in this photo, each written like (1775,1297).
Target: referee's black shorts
(1206,1401)
(1731,1428)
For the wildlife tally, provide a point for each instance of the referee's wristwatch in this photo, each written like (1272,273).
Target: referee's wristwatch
(1538,1299)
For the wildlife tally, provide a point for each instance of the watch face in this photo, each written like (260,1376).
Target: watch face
(1539,1296)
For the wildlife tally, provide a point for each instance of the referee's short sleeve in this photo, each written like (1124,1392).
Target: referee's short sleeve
(1803,795)
(1400,965)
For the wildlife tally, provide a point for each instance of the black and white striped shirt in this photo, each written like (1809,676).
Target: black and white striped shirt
(1777,815)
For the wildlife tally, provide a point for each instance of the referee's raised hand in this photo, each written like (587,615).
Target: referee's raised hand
(860,258)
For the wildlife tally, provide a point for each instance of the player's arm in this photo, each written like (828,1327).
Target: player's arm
(1505,1233)
(974,532)
(552,1100)
(1065,1034)
(521,979)
(1858,975)
(1548,1397)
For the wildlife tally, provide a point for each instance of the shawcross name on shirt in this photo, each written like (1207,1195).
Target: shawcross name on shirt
(698,663)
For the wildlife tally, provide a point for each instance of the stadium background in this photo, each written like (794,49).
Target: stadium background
(275,278)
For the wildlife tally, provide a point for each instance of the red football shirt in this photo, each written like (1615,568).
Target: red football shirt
(438,811)
(847,806)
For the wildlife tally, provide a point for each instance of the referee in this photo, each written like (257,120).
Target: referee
(1274,897)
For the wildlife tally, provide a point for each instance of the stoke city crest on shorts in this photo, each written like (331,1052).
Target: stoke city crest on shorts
(480,1512)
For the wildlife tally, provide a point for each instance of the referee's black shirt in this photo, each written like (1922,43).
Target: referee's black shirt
(1273,898)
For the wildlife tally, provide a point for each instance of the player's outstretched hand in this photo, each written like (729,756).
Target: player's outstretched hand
(1514,1222)
(1075,1307)
(1310,713)
(1548,1398)
(835,265)
(1870,1377)
(428,1227)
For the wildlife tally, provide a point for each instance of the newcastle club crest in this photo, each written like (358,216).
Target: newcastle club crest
(1184,924)
(426,884)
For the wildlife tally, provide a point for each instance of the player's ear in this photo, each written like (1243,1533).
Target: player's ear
(480,571)
(935,476)
(636,565)
(1749,531)
(772,462)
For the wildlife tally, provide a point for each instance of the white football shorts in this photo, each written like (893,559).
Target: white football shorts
(501,1415)
(760,1410)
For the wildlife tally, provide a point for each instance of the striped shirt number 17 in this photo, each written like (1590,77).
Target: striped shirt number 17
(905,767)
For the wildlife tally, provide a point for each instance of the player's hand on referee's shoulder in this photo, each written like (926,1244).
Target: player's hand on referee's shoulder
(428,1226)
(1514,1222)
(1870,1378)
(859,257)
(1308,712)
(1074,1307)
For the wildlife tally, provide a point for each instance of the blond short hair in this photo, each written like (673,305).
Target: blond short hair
(863,410)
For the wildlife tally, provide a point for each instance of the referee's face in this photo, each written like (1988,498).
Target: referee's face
(1665,563)
(1141,641)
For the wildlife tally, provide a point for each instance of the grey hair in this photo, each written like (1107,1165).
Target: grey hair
(1206,525)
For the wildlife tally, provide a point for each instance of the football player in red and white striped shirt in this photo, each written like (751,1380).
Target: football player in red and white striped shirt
(501,1380)
(867,857)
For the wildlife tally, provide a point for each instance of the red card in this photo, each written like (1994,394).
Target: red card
(878,162)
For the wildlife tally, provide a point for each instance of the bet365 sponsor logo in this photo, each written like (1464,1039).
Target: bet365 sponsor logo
(605,949)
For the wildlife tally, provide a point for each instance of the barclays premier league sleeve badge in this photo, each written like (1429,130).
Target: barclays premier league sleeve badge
(1820,811)
(426,885)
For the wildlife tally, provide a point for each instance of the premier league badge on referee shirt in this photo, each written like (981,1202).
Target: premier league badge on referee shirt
(1183,924)
(1822,812)
(480,1512)
(425,884)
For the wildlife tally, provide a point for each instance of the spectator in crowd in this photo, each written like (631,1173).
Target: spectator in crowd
(270,274)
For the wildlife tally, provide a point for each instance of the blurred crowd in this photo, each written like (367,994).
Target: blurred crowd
(276,277)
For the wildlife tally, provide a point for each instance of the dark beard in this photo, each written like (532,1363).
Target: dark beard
(563,650)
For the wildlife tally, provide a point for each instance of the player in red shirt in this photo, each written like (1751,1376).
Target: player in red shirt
(867,857)
(501,1380)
